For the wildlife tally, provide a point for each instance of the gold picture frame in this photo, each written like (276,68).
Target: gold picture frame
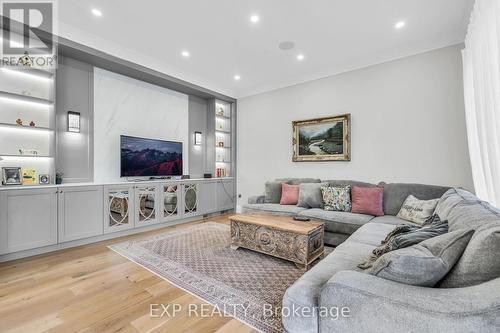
(322,139)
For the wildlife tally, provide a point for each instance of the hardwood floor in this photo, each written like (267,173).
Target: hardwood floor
(92,289)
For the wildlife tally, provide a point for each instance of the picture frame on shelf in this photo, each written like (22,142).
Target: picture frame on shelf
(44,179)
(11,176)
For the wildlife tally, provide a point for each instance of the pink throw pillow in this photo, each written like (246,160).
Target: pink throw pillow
(289,194)
(367,200)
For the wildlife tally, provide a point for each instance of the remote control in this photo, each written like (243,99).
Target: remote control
(301,218)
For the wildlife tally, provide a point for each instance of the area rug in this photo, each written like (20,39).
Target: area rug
(198,259)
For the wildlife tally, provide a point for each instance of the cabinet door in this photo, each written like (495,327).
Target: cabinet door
(28,219)
(190,199)
(118,208)
(79,212)
(170,201)
(225,195)
(207,200)
(146,203)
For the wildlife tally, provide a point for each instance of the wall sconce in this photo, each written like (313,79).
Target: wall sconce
(197,138)
(73,121)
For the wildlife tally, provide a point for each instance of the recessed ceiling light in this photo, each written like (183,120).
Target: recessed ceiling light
(96,12)
(185,54)
(300,57)
(254,18)
(400,25)
(237,77)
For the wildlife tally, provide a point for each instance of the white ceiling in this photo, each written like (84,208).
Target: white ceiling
(334,35)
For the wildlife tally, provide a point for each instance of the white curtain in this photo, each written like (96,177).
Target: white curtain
(481,58)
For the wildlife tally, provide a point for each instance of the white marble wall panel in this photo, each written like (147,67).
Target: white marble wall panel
(125,106)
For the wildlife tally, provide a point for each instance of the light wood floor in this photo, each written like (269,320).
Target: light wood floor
(92,289)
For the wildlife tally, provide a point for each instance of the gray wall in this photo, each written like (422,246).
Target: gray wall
(74,93)
(75,153)
(198,111)
(408,125)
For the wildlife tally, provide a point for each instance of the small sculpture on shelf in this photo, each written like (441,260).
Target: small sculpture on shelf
(25,60)
(221,143)
(59,177)
(220,111)
(32,123)
(19,121)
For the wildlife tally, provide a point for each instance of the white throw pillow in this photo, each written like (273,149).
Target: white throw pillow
(416,210)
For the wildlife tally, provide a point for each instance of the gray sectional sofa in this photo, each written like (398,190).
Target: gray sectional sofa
(379,305)
(340,225)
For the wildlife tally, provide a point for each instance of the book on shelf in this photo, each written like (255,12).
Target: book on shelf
(221,172)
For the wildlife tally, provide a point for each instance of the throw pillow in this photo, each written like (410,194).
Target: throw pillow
(367,200)
(337,198)
(406,235)
(480,261)
(289,194)
(417,211)
(423,264)
(310,195)
(272,192)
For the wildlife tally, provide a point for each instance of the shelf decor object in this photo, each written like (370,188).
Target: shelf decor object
(11,176)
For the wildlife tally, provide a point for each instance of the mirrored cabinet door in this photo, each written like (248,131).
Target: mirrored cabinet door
(118,208)
(190,199)
(170,201)
(146,203)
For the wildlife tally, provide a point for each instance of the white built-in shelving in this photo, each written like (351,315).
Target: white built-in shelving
(27,119)
(223,139)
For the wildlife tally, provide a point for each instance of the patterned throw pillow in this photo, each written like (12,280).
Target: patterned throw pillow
(337,198)
(417,211)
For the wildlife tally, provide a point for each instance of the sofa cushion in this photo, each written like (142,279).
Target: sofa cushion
(371,233)
(367,200)
(338,222)
(389,219)
(289,194)
(276,209)
(395,194)
(467,214)
(272,192)
(298,181)
(310,195)
(337,198)
(451,198)
(480,261)
(305,291)
(416,210)
(423,264)
(334,182)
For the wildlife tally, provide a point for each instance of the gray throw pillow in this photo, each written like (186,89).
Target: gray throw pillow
(310,195)
(480,261)
(424,264)
(273,192)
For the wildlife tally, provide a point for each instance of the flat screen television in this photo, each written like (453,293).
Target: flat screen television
(141,157)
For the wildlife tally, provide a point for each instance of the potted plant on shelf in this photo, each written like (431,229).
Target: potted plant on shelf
(59,177)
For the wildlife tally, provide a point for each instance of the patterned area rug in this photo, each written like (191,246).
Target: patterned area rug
(199,260)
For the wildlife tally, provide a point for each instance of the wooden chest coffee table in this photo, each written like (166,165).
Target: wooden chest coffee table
(279,236)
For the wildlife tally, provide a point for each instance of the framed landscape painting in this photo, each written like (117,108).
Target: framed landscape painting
(322,139)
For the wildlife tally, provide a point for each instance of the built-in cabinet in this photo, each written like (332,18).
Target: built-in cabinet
(79,212)
(119,203)
(28,219)
(39,217)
